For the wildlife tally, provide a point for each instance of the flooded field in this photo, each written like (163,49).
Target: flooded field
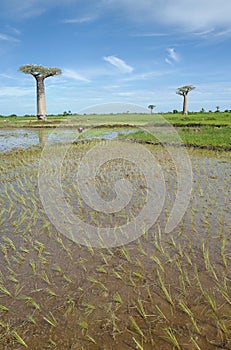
(161,291)
(24,138)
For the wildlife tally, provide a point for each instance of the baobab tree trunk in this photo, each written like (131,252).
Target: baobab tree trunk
(41,99)
(185,105)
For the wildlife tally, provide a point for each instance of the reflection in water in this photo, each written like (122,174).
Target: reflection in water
(43,137)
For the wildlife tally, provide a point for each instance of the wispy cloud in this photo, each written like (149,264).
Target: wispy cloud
(168,61)
(5,37)
(172,56)
(191,14)
(79,20)
(147,75)
(30,8)
(119,63)
(6,76)
(14,91)
(147,35)
(70,73)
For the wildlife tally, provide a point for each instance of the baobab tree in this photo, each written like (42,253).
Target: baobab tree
(40,73)
(183,91)
(151,107)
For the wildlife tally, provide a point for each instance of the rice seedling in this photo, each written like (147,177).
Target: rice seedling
(10,243)
(31,301)
(95,281)
(91,339)
(126,254)
(195,343)
(117,298)
(138,275)
(140,309)
(138,345)
(71,306)
(68,279)
(45,277)
(83,325)
(51,292)
(136,327)
(172,337)
(19,339)
(117,275)
(205,252)
(51,320)
(157,261)
(89,308)
(211,300)
(101,269)
(33,266)
(224,258)
(188,312)
(3,308)
(164,289)
(31,319)
(5,291)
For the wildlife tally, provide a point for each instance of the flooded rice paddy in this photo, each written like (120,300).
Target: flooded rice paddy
(12,139)
(161,291)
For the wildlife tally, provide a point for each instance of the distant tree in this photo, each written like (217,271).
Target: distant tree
(175,111)
(202,110)
(40,73)
(151,107)
(183,91)
(217,109)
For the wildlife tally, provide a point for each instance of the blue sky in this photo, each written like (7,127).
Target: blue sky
(116,51)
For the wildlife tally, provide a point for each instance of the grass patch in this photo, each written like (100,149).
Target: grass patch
(210,136)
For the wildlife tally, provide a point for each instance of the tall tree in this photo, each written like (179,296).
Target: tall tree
(151,107)
(183,91)
(40,73)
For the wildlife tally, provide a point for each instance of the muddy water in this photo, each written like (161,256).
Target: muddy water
(162,291)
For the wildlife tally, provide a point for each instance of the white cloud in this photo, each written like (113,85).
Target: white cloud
(70,73)
(168,61)
(173,55)
(5,37)
(190,14)
(6,76)
(118,63)
(146,76)
(148,35)
(79,20)
(30,8)
(14,91)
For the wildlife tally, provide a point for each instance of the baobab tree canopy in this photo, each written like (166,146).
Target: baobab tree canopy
(184,90)
(41,71)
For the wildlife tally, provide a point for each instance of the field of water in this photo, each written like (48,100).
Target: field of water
(161,291)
